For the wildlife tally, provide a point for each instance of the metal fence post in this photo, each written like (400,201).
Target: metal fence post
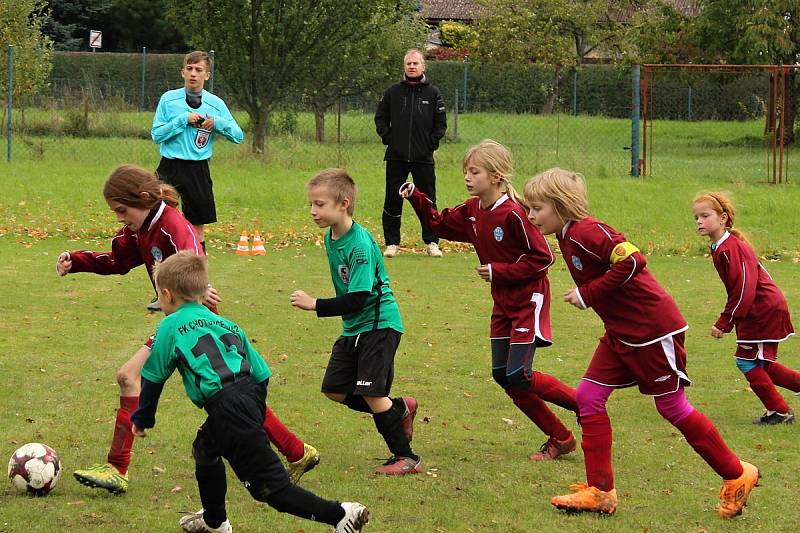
(690,102)
(466,69)
(455,118)
(144,72)
(574,91)
(9,107)
(211,78)
(636,103)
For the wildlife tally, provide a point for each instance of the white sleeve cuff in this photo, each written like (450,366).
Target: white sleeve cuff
(580,299)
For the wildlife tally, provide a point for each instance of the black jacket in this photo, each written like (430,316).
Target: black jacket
(411,121)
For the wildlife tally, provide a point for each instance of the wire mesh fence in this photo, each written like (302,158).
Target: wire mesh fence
(98,109)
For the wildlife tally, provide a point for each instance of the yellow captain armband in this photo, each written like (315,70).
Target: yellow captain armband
(622,251)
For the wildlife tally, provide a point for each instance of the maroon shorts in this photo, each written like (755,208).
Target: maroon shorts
(767,351)
(522,324)
(657,368)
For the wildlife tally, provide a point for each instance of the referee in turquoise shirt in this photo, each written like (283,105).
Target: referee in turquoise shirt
(185,124)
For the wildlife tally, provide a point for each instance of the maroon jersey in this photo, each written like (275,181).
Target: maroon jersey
(613,279)
(164,232)
(517,254)
(755,304)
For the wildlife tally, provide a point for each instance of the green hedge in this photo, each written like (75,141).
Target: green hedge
(113,81)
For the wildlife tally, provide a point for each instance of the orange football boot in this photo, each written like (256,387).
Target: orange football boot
(734,492)
(587,499)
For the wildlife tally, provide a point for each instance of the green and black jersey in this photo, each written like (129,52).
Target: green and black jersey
(208,350)
(356,265)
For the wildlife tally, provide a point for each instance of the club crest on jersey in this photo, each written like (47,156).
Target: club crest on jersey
(201,139)
(344,273)
(576,262)
(157,254)
(498,233)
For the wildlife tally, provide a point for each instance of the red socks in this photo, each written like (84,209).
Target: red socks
(702,435)
(284,440)
(596,444)
(120,454)
(763,386)
(783,377)
(538,412)
(550,389)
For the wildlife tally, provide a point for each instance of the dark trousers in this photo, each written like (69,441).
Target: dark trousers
(424,177)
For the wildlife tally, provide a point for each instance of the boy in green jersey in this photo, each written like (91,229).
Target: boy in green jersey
(361,367)
(223,374)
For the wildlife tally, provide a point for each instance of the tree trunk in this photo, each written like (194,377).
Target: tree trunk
(319,123)
(259,122)
(789,108)
(550,103)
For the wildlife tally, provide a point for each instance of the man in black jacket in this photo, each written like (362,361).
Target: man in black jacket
(410,121)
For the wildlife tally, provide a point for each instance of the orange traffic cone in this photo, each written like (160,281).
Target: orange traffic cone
(258,245)
(244,246)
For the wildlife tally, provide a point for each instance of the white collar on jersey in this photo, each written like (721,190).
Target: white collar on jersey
(564,229)
(722,239)
(158,215)
(499,202)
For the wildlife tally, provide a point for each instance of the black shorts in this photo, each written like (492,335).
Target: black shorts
(233,430)
(362,364)
(192,179)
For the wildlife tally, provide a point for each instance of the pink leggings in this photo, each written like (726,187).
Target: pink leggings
(592,399)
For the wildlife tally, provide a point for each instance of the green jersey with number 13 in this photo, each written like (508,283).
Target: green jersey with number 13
(208,350)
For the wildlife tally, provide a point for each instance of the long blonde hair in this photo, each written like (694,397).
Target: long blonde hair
(497,160)
(721,204)
(564,189)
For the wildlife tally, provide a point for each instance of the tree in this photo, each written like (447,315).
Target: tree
(67,22)
(20,26)
(271,49)
(131,24)
(728,31)
(558,33)
(366,65)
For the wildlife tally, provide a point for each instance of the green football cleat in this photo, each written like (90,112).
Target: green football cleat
(309,460)
(103,477)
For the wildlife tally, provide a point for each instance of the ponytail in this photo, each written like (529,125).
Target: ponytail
(134,186)
(512,192)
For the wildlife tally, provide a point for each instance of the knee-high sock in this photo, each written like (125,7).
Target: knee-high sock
(537,411)
(390,425)
(300,502)
(284,440)
(702,435)
(783,377)
(213,485)
(551,389)
(596,444)
(760,382)
(120,453)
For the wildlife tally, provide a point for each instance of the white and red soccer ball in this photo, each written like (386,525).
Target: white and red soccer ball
(34,468)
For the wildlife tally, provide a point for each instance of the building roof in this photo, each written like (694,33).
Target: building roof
(438,10)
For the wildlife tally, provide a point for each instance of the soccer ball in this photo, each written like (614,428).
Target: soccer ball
(34,468)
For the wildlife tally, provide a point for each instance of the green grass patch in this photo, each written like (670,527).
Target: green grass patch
(65,338)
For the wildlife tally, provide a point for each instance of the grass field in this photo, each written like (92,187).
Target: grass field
(64,338)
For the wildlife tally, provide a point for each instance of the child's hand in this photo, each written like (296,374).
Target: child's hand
(211,298)
(484,272)
(63,264)
(195,119)
(207,123)
(406,189)
(716,332)
(572,298)
(303,301)
(138,432)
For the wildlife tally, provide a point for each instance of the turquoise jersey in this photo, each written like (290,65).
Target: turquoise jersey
(356,265)
(208,350)
(180,140)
